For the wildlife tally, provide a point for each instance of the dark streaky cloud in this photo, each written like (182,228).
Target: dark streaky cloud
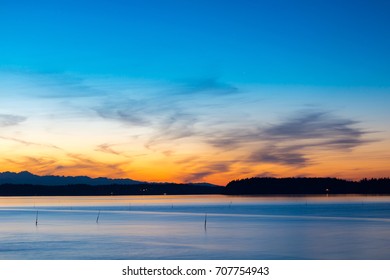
(131,112)
(316,125)
(290,142)
(285,156)
(206,86)
(9,120)
(211,169)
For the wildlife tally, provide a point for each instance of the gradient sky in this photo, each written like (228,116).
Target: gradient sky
(191,91)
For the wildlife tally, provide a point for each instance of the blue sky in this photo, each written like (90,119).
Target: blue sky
(214,90)
(325,43)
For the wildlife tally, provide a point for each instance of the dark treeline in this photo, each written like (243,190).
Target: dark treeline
(308,186)
(251,186)
(83,190)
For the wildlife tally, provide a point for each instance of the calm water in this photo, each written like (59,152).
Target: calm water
(173,227)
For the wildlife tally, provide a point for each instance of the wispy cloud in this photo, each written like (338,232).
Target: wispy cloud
(207,170)
(174,127)
(293,141)
(234,137)
(280,155)
(128,111)
(321,125)
(206,86)
(49,84)
(29,143)
(75,164)
(267,174)
(40,165)
(10,120)
(106,148)
(170,110)
(82,164)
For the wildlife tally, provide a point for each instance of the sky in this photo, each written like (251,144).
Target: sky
(195,91)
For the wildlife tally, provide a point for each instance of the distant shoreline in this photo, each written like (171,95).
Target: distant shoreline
(250,186)
(308,186)
(108,190)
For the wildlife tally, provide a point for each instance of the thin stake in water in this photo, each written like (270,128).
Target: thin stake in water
(205,221)
(36,219)
(97,218)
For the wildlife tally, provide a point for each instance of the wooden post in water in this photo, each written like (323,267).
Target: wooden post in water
(36,219)
(97,218)
(205,222)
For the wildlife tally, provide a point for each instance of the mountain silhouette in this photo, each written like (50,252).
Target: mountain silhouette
(27,184)
(26,177)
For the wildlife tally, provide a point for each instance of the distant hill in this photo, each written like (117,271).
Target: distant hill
(287,186)
(27,184)
(26,177)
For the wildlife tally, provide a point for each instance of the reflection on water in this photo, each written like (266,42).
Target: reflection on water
(172,227)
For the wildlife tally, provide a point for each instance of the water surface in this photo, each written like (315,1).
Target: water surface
(176,227)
